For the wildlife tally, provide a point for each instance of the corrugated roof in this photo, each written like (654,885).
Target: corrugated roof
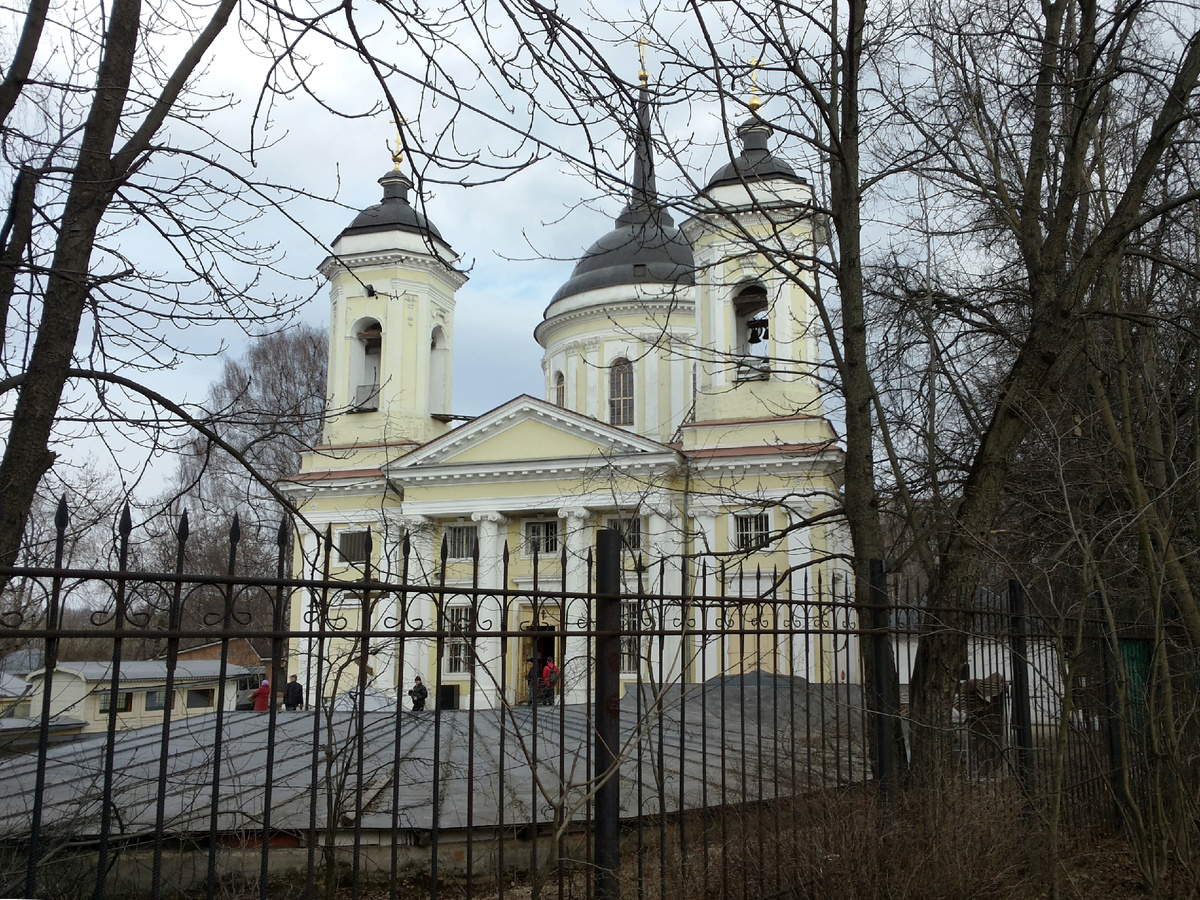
(153,670)
(759,737)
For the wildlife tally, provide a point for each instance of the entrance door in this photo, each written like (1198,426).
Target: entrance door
(535,643)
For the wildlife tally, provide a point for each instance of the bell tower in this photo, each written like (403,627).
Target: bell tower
(391,328)
(756,343)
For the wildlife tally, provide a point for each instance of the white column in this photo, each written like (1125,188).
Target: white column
(422,614)
(704,531)
(595,402)
(652,421)
(305,648)
(802,646)
(664,545)
(577,651)
(490,607)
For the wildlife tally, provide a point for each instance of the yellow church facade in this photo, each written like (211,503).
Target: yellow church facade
(680,406)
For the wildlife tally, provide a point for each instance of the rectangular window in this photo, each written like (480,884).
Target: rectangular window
(156,700)
(458,652)
(751,532)
(124,701)
(352,546)
(201,698)
(630,639)
(630,530)
(620,392)
(541,537)
(460,541)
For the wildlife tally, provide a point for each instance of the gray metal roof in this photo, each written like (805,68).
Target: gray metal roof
(153,670)
(393,213)
(755,162)
(732,740)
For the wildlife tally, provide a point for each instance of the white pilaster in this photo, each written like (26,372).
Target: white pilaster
(421,613)
(490,606)
(577,652)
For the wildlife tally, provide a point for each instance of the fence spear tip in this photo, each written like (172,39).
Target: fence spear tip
(60,516)
(126,524)
(235,530)
(181,533)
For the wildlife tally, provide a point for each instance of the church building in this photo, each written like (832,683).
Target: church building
(680,406)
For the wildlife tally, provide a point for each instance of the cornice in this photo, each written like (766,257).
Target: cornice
(332,266)
(608,312)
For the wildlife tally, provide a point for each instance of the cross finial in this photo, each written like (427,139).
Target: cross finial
(643,75)
(397,155)
(755,101)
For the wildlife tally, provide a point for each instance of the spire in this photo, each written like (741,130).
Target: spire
(643,205)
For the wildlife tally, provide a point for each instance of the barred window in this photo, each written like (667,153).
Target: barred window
(156,700)
(630,623)
(541,536)
(751,532)
(124,701)
(460,541)
(560,389)
(458,622)
(620,392)
(352,545)
(630,530)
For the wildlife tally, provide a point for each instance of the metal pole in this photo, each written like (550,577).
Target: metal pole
(606,765)
(1022,723)
(885,722)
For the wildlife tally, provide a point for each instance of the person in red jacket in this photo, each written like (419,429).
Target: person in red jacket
(262,697)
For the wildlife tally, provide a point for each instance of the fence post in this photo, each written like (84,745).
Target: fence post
(606,765)
(885,722)
(1022,723)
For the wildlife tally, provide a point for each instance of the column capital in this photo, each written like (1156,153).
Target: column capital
(577,513)
(489,516)
(660,505)
(413,523)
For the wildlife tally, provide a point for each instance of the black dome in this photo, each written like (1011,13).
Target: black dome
(395,213)
(755,163)
(638,250)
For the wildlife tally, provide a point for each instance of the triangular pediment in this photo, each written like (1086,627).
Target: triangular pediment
(527,430)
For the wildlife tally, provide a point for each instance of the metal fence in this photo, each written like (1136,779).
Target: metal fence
(690,741)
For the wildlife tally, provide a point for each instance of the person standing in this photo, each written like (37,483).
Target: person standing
(262,697)
(549,681)
(418,692)
(293,694)
(532,680)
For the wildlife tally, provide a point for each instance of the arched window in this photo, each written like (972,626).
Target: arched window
(753,331)
(439,353)
(365,363)
(560,389)
(620,392)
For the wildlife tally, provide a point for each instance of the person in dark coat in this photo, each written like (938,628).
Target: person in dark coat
(532,679)
(262,697)
(418,692)
(293,694)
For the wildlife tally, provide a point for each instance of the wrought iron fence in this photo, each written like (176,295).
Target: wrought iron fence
(689,740)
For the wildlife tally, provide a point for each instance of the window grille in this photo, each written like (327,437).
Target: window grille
(124,701)
(156,700)
(541,537)
(751,531)
(630,623)
(352,546)
(458,622)
(630,530)
(620,392)
(460,541)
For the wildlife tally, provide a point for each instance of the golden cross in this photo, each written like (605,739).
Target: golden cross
(642,73)
(755,102)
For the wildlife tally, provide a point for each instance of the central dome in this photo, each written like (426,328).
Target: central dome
(641,249)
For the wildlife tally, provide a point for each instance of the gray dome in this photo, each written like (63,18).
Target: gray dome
(755,163)
(394,213)
(641,249)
